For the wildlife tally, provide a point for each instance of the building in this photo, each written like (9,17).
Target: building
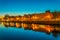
(42,16)
(25,18)
(17,18)
(33,17)
(48,15)
(11,18)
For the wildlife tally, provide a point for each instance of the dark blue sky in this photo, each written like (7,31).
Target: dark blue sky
(28,6)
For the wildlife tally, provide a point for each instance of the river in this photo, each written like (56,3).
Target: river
(11,32)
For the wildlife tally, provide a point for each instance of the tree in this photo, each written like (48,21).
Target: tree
(6,15)
(55,13)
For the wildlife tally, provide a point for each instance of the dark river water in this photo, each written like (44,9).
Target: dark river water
(10,32)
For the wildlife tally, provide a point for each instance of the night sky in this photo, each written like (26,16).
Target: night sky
(20,7)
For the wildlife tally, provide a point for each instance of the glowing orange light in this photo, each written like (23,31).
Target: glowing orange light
(48,16)
(49,28)
(17,18)
(18,25)
(34,26)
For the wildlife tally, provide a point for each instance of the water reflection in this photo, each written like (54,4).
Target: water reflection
(54,29)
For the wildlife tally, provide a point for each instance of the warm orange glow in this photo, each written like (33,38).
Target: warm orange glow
(12,19)
(17,18)
(48,17)
(34,26)
(6,23)
(49,28)
(34,17)
(24,25)
(11,24)
(18,25)
(37,22)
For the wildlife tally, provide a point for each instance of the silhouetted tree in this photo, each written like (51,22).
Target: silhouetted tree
(54,14)
(47,11)
(6,15)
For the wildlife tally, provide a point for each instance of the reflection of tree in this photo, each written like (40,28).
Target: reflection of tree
(55,33)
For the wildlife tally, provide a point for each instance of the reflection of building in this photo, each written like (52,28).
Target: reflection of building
(34,27)
(25,25)
(12,24)
(6,24)
(18,25)
(45,28)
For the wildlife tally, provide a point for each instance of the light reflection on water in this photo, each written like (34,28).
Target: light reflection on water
(23,31)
